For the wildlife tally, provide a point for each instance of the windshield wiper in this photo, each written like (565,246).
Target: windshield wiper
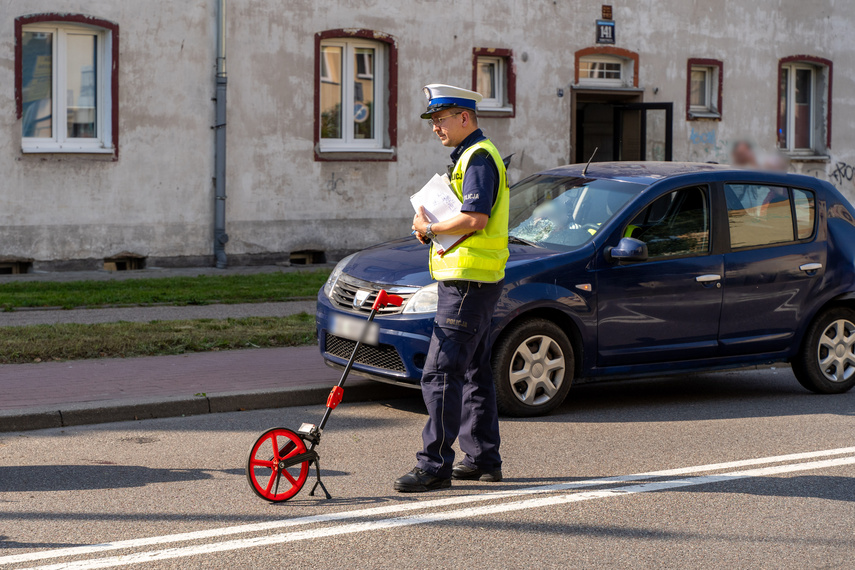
(515,239)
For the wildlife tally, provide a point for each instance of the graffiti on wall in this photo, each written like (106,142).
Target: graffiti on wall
(707,137)
(841,173)
(705,146)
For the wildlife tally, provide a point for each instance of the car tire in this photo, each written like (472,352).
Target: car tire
(826,362)
(533,368)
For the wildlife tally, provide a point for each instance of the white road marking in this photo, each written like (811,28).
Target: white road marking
(156,555)
(401,508)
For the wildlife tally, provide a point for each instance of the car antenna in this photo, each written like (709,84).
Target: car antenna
(593,154)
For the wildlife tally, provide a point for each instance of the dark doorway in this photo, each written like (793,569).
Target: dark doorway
(620,126)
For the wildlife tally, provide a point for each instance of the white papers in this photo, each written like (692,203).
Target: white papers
(440,203)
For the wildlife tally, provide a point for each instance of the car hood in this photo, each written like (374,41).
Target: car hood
(404,262)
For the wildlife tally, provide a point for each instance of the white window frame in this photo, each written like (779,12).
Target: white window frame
(498,102)
(59,142)
(601,82)
(348,76)
(791,103)
(709,110)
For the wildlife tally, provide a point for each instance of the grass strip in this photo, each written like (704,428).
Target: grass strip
(200,290)
(39,343)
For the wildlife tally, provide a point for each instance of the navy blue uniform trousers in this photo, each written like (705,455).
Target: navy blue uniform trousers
(457,382)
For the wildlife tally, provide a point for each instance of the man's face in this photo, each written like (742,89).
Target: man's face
(448,126)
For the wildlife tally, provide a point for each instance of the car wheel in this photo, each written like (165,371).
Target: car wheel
(826,362)
(533,367)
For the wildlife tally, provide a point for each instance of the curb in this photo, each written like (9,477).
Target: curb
(87,413)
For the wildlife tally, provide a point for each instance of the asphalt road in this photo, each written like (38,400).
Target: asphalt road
(726,470)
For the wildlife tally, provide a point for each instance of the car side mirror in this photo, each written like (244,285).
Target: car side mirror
(628,249)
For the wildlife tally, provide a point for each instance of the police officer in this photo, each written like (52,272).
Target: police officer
(457,383)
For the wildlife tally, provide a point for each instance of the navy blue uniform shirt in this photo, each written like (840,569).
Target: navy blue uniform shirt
(481,179)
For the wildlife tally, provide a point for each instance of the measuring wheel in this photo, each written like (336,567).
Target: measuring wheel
(273,469)
(278,464)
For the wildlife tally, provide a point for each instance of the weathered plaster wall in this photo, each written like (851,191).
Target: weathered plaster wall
(278,193)
(157,198)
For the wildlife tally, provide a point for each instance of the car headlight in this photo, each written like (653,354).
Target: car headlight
(336,273)
(424,300)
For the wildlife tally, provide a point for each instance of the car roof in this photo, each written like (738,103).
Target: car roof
(638,172)
(647,173)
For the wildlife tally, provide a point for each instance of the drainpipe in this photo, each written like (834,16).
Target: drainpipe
(220,237)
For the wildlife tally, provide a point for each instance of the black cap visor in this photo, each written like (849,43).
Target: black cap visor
(436,108)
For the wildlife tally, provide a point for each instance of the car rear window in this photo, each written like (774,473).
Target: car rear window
(805,207)
(760,215)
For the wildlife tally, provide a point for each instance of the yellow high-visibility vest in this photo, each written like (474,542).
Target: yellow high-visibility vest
(481,256)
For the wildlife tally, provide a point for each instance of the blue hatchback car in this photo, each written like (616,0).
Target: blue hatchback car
(624,270)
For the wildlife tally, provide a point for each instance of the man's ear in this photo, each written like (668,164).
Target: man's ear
(467,118)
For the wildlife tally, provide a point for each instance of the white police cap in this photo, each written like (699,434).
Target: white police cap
(447,96)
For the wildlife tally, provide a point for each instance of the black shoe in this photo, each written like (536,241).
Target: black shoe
(467,473)
(419,481)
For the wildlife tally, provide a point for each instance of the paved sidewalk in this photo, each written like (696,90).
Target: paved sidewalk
(154,313)
(55,394)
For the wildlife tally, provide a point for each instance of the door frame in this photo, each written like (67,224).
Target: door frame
(580,96)
(669,125)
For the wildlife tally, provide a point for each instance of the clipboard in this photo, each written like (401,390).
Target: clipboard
(442,251)
(440,204)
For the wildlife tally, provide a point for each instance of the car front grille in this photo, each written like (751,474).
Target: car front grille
(383,356)
(346,288)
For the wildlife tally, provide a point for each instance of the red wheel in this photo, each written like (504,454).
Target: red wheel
(266,478)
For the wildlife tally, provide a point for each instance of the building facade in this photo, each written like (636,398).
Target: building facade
(108,120)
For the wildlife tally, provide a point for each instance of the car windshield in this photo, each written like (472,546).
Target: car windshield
(563,213)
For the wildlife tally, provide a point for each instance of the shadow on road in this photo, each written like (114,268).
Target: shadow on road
(29,478)
(827,487)
(6,542)
(569,530)
(726,395)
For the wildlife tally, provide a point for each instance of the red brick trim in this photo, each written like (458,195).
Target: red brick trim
(607,50)
(392,111)
(510,71)
(819,61)
(693,61)
(22,21)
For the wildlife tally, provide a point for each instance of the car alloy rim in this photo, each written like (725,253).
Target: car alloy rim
(537,370)
(836,351)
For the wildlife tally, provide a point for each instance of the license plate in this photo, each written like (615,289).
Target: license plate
(352,328)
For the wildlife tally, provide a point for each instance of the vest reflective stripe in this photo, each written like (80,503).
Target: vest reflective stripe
(482,256)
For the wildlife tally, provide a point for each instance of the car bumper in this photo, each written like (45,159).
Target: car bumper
(398,358)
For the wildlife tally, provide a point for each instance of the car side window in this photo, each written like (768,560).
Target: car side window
(761,215)
(676,224)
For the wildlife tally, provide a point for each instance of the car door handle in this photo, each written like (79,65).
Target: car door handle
(810,267)
(708,278)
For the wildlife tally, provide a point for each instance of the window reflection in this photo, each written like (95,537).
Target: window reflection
(363,94)
(758,215)
(37,84)
(81,92)
(331,92)
(699,88)
(486,83)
